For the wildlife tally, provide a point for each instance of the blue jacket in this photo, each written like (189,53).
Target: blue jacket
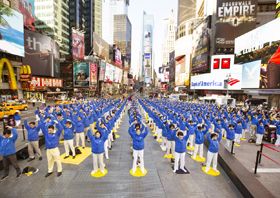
(138,140)
(17,117)
(68,132)
(214,144)
(238,129)
(230,134)
(199,136)
(32,133)
(7,145)
(171,134)
(80,127)
(52,140)
(260,129)
(180,145)
(97,144)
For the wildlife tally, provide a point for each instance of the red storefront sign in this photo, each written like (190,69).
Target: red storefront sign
(46,82)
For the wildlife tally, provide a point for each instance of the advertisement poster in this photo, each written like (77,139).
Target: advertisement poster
(42,54)
(11,31)
(201,46)
(264,45)
(81,74)
(109,74)
(93,73)
(234,18)
(78,45)
(100,47)
(102,71)
(250,74)
(117,56)
(26,7)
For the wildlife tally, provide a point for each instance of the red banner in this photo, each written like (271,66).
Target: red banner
(93,73)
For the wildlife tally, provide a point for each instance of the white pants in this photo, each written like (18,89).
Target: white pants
(110,139)
(106,149)
(98,159)
(237,138)
(259,138)
(53,155)
(159,133)
(277,143)
(179,157)
(191,139)
(211,157)
(170,145)
(78,137)
(136,154)
(224,133)
(33,145)
(37,118)
(196,148)
(69,144)
(164,141)
(244,133)
(17,123)
(228,143)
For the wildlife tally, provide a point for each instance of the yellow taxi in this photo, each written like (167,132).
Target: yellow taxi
(15,106)
(6,112)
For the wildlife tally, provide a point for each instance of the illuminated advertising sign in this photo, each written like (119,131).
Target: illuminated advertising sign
(46,82)
(26,7)
(234,18)
(78,45)
(11,31)
(81,74)
(93,73)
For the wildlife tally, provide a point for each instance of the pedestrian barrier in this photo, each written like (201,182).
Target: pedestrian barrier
(260,153)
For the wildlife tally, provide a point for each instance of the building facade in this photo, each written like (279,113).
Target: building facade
(53,20)
(98,17)
(146,74)
(88,14)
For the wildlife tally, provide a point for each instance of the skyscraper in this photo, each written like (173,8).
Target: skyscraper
(88,14)
(122,36)
(55,17)
(147,49)
(169,38)
(109,9)
(98,17)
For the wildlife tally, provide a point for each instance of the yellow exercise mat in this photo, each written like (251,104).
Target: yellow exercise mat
(61,142)
(243,139)
(169,156)
(211,172)
(78,159)
(138,172)
(159,140)
(198,158)
(117,136)
(236,144)
(190,148)
(224,138)
(98,173)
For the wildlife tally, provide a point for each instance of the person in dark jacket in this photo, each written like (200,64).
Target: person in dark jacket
(33,140)
(8,151)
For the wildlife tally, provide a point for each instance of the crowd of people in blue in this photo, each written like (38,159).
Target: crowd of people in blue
(179,127)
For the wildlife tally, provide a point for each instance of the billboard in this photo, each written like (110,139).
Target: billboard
(102,71)
(78,45)
(11,31)
(93,73)
(117,56)
(81,74)
(264,45)
(219,80)
(42,54)
(26,7)
(37,82)
(201,46)
(100,47)
(109,73)
(234,18)
(250,74)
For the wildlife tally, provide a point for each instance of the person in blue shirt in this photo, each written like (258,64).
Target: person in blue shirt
(33,140)
(230,135)
(277,123)
(180,150)
(105,133)
(200,132)
(68,136)
(52,135)
(213,149)
(170,145)
(80,131)
(238,132)
(8,151)
(138,138)
(97,148)
(259,133)
(17,118)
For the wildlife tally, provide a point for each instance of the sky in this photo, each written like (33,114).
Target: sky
(161,9)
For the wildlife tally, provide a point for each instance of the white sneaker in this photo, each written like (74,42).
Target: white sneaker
(174,171)
(183,169)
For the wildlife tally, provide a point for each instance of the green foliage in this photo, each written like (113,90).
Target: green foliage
(4,11)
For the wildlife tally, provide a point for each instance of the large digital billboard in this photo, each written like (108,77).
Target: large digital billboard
(81,74)
(11,31)
(42,54)
(201,46)
(100,47)
(234,18)
(262,44)
(93,73)
(78,45)
(26,7)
